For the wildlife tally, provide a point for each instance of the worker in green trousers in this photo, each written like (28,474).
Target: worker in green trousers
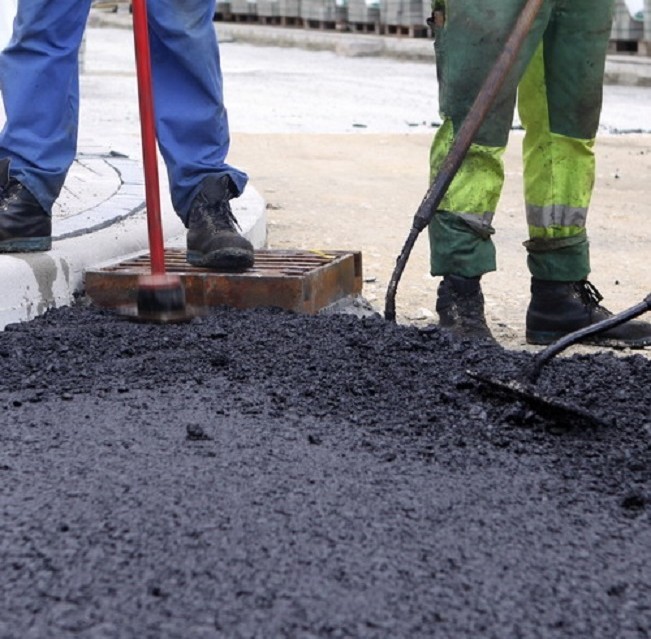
(558,82)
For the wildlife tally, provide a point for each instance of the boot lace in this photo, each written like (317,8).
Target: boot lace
(219,213)
(589,295)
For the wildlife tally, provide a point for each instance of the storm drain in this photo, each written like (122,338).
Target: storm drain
(301,281)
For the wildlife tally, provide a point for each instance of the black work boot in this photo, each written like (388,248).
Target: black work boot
(559,308)
(24,224)
(460,307)
(214,239)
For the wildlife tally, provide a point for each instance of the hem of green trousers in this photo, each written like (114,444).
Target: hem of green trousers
(566,262)
(457,249)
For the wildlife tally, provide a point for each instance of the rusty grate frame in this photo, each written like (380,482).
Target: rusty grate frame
(301,281)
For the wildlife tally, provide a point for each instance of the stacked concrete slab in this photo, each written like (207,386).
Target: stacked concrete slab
(405,17)
(364,15)
(401,17)
(268,9)
(244,10)
(287,12)
(627,28)
(290,11)
(631,31)
(323,13)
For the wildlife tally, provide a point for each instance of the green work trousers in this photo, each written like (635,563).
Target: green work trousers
(558,81)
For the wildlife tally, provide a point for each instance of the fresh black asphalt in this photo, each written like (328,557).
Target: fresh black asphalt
(259,474)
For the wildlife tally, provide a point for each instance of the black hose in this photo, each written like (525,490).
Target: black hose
(572,338)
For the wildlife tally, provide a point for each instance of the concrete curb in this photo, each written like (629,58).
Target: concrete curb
(628,70)
(124,182)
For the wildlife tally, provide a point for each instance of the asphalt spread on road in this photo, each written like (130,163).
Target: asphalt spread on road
(265,474)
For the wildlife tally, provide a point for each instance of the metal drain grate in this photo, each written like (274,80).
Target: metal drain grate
(301,281)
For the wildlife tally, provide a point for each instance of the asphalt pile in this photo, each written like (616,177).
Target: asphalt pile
(266,474)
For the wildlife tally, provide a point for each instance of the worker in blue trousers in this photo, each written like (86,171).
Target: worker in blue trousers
(39,79)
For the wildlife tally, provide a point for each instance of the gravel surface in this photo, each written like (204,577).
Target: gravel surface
(263,474)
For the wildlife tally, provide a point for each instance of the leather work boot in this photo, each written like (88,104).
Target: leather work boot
(214,239)
(24,224)
(559,308)
(460,307)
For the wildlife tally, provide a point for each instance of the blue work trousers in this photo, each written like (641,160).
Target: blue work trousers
(39,77)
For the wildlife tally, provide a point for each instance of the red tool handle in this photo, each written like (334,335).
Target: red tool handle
(148,132)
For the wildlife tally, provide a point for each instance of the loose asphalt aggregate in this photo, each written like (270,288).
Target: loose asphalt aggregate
(267,474)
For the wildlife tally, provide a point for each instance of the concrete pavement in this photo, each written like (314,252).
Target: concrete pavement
(100,217)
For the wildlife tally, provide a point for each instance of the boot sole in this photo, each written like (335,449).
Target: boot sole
(26,245)
(223,260)
(545,339)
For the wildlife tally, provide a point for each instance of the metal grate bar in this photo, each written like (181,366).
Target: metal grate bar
(303,281)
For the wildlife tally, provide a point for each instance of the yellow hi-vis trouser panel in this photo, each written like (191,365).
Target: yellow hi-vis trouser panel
(558,169)
(558,78)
